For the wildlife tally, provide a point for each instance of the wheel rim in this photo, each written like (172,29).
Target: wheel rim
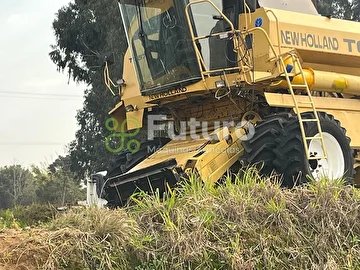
(333,167)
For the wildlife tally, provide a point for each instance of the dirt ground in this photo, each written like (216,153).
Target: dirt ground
(21,249)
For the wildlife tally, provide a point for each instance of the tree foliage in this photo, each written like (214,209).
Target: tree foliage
(16,186)
(55,184)
(84,31)
(343,9)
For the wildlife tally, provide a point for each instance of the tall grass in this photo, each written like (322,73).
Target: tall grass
(247,222)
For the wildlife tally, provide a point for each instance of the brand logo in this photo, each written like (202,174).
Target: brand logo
(115,142)
(319,41)
(258,22)
(168,93)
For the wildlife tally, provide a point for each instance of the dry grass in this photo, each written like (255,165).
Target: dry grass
(246,223)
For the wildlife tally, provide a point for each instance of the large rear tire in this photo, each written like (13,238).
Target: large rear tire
(259,150)
(291,161)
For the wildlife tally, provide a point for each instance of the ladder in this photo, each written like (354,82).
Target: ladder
(289,75)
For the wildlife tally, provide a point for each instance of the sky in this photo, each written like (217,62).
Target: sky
(37,104)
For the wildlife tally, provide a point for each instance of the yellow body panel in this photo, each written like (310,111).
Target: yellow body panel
(181,150)
(329,53)
(318,39)
(209,159)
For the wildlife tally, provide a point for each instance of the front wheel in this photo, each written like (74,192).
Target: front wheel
(259,150)
(291,160)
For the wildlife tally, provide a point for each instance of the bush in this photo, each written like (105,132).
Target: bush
(246,223)
(34,214)
(7,220)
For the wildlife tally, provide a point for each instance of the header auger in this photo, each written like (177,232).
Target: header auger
(233,83)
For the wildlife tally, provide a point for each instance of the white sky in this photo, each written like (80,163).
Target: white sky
(34,128)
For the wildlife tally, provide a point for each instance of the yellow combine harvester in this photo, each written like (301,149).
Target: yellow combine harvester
(235,82)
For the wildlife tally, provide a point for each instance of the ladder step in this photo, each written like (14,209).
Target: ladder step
(313,138)
(289,75)
(299,86)
(309,120)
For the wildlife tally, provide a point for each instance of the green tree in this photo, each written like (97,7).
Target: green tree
(355,10)
(343,9)
(16,186)
(57,184)
(85,30)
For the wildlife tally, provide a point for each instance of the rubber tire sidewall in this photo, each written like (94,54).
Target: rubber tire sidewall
(332,127)
(291,161)
(259,150)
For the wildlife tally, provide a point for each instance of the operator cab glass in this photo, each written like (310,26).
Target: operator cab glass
(161,44)
(218,52)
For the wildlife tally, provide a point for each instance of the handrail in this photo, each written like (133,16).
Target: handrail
(222,69)
(276,55)
(213,35)
(254,29)
(247,12)
(204,70)
(277,28)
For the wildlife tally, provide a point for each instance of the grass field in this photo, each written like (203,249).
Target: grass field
(244,223)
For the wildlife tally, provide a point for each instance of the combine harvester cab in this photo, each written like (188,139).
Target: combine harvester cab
(234,83)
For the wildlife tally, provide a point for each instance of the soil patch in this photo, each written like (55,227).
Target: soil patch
(22,249)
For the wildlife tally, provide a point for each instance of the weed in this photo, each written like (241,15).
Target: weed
(246,222)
